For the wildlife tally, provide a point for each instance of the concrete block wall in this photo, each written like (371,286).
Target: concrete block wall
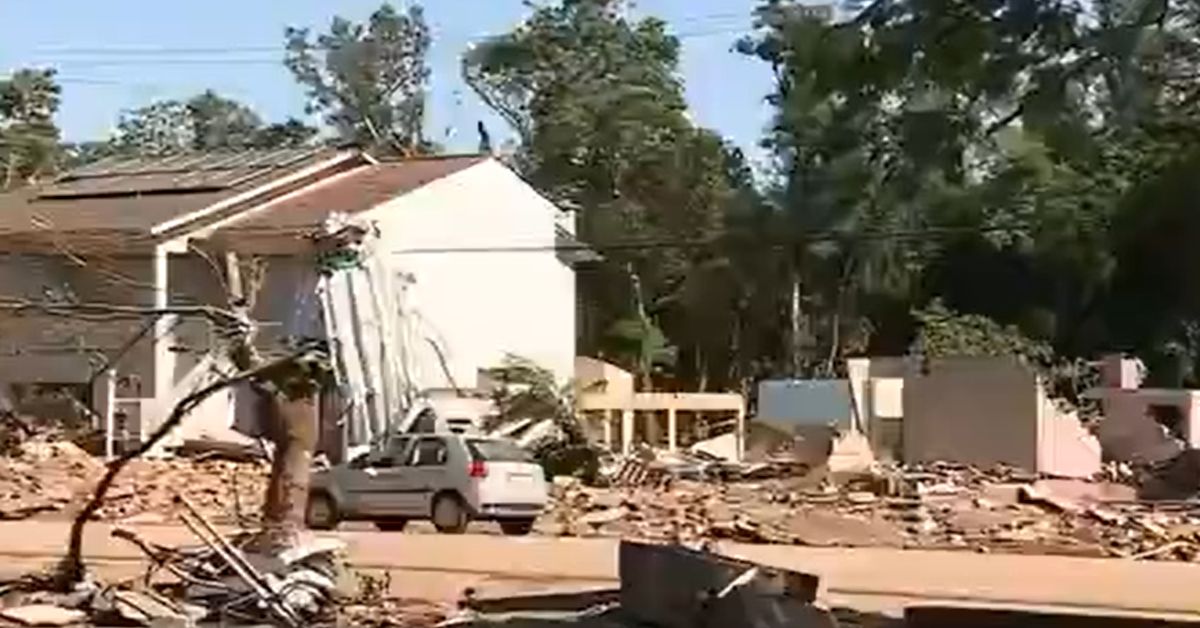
(981,411)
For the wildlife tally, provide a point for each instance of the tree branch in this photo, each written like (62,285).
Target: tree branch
(108,310)
(70,570)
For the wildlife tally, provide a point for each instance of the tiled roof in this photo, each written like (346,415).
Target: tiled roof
(353,192)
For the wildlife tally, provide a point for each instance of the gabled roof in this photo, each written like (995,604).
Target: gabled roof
(148,196)
(352,192)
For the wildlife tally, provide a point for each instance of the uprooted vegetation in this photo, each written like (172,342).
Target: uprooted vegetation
(527,394)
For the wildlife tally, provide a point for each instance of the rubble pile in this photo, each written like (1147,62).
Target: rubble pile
(939,506)
(53,478)
(220,581)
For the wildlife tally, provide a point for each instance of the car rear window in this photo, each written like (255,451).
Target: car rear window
(498,451)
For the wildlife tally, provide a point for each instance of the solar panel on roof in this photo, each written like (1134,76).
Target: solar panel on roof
(176,173)
(92,168)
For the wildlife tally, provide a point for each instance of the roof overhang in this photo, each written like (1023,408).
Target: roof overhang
(293,182)
(573,252)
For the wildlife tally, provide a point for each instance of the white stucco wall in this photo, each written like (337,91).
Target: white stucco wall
(481,305)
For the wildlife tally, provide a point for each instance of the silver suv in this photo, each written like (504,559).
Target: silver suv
(450,479)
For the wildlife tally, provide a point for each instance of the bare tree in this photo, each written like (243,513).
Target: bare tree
(287,404)
(287,391)
(70,570)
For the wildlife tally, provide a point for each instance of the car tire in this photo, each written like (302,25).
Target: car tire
(321,512)
(391,525)
(449,514)
(517,527)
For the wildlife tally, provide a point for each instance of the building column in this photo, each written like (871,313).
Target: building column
(626,431)
(607,417)
(1191,421)
(672,429)
(164,362)
(858,372)
(110,414)
(741,434)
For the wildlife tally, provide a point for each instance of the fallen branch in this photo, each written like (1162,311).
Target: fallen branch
(70,570)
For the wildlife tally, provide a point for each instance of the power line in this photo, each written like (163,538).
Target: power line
(224,50)
(218,60)
(727,239)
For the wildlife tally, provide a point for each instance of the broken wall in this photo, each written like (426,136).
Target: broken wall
(988,411)
(980,411)
(597,377)
(878,387)
(1129,433)
(1065,447)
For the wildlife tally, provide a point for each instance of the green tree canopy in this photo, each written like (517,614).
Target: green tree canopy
(204,122)
(976,151)
(369,80)
(28,135)
(597,103)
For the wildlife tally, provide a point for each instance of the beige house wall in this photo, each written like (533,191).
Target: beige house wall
(39,348)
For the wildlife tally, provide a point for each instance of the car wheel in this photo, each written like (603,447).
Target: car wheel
(321,513)
(391,525)
(449,514)
(517,527)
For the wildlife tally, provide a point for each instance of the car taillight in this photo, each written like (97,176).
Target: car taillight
(478,469)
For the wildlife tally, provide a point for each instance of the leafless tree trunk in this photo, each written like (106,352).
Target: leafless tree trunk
(289,410)
(293,428)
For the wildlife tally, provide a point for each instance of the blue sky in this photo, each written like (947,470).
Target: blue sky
(82,39)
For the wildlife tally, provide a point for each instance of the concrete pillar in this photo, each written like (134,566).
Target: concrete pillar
(1118,371)
(858,371)
(1191,420)
(607,417)
(651,427)
(672,429)
(741,434)
(110,413)
(626,431)
(164,358)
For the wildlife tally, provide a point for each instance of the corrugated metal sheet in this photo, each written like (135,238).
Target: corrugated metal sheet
(365,320)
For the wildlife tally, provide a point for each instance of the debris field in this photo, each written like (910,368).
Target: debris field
(939,506)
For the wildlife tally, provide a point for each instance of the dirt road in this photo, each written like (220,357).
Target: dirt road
(437,568)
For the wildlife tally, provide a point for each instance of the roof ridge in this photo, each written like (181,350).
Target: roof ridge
(438,157)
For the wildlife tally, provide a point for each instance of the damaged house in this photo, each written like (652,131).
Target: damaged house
(475,254)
